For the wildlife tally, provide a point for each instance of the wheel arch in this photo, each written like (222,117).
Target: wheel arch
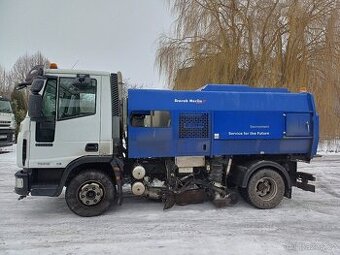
(242,174)
(75,167)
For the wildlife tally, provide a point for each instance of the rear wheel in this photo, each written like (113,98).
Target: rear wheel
(265,189)
(90,193)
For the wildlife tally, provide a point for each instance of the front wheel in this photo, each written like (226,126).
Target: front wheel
(90,193)
(265,189)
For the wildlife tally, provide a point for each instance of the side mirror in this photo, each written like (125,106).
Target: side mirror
(37,85)
(35,100)
(32,74)
(35,106)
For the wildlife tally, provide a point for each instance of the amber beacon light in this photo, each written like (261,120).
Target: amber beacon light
(53,66)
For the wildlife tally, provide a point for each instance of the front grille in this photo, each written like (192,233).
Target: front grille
(6,135)
(194,125)
(4,123)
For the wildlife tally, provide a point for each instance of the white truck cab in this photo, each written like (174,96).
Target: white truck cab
(7,123)
(55,139)
(68,126)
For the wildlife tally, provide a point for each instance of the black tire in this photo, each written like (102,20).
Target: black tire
(265,189)
(100,201)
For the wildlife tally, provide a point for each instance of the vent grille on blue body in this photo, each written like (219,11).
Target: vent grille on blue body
(193,125)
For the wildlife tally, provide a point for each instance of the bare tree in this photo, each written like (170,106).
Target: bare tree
(2,80)
(4,83)
(127,84)
(18,73)
(24,64)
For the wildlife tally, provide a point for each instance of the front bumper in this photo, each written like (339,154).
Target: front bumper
(26,182)
(22,187)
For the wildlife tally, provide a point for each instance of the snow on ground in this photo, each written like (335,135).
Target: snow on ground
(307,224)
(329,146)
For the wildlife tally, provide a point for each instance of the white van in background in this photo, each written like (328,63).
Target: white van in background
(7,123)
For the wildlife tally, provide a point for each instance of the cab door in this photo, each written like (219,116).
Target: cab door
(70,123)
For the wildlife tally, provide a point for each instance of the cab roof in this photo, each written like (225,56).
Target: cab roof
(73,71)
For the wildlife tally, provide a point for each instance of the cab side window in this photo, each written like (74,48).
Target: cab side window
(45,128)
(76,100)
(49,99)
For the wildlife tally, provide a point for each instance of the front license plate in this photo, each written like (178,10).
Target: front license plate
(3,136)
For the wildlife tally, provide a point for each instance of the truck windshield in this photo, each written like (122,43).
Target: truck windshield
(5,106)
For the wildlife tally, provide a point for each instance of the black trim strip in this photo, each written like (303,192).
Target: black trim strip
(44,144)
(24,151)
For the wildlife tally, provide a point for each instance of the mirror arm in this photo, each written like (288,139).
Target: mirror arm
(22,85)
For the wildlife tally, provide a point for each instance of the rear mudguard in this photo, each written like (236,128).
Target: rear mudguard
(241,174)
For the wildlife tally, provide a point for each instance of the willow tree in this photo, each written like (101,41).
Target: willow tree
(280,43)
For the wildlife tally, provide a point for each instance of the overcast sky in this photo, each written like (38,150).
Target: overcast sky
(104,35)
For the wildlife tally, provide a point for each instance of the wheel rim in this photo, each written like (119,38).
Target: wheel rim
(266,188)
(91,193)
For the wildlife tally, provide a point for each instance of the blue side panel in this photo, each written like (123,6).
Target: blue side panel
(238,122)
(248,125)
(216,101)
(150,142)
(189,147)
(298,124)
(256,147)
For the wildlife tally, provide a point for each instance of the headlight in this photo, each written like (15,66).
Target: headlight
(13,123)
(19,183)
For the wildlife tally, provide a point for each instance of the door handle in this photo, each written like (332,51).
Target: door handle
(308,127)
(91,147)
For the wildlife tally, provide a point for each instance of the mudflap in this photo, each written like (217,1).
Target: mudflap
(117,167)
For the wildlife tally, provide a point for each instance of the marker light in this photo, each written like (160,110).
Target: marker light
(53,66)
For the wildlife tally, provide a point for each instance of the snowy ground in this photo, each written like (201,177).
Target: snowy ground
(307,224)
(329,146)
